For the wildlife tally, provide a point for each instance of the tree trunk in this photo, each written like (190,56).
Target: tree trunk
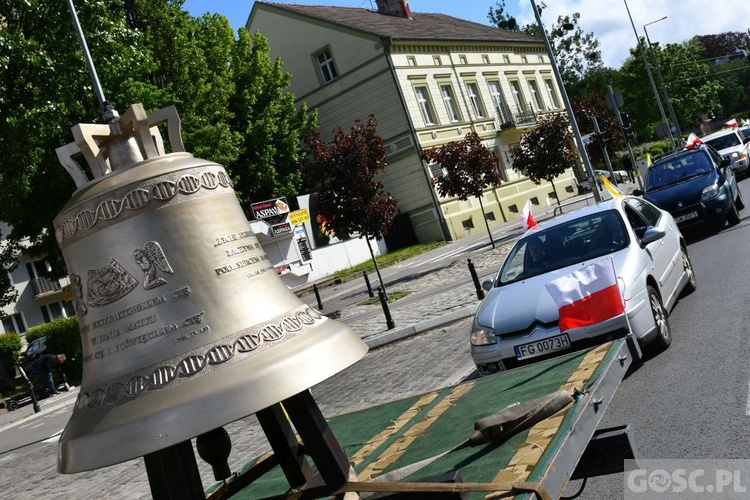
(554,189)
(486,223)
(377,269)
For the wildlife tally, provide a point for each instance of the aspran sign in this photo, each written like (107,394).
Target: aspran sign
(269,208)
(283,228)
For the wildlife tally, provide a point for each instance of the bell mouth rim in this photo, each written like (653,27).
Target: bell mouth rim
(181,413)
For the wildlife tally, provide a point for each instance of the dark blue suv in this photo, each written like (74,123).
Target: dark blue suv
(696,186)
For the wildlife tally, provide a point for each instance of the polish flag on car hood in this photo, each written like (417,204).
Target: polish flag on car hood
(731,123)
(587,296)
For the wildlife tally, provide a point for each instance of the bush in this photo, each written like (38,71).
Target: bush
(10,346)
(62,337)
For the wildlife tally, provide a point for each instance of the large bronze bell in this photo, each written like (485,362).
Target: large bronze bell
(184,323)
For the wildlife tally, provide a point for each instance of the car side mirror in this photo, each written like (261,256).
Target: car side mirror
(637,192)
(725,162)
(652,234)
(487,285)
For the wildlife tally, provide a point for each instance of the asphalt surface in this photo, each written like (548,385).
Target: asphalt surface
(427,349)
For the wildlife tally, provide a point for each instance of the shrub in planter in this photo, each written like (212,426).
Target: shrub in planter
(62,337)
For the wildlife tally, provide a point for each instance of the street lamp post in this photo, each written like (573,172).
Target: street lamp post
(650,77)
(568,107)
(661,78)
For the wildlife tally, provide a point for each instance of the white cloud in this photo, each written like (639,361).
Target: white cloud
(608,20)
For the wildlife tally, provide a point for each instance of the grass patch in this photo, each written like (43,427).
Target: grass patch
(389,259)
(391,297)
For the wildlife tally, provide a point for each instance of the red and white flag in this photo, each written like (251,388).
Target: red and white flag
(587,296)
(692,141)
(731,123)
(527,219)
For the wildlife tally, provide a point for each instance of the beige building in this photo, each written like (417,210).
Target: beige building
(429,79)
(40,299)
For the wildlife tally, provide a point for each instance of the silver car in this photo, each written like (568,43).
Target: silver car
(518,319)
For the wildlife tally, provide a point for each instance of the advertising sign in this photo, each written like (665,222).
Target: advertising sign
(269,208)
(299,216)
(281,229)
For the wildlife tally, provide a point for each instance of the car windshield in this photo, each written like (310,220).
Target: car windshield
(564,244)
(745,132)
(723,142)
(676,169)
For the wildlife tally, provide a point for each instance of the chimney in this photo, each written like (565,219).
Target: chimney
(398,8)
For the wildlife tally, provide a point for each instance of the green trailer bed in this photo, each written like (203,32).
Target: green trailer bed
(543,458)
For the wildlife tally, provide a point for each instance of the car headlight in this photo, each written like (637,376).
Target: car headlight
(735,155)
(710,192)
(483,336)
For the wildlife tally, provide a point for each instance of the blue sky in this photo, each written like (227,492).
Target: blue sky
(607,19)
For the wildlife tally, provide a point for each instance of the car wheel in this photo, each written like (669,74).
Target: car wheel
(733,216)
(661,320)
(692,283)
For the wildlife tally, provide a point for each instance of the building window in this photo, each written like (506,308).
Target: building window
(57,310)
(551,93)
(467,224)
(411,60)
(506,59)
(490,216)
(537,98)
(513,209)
(524,60)
(327,68)
(485,59)
(498,101)
(517,95)
(541,59)
(14,323)
(450,103)
(462,60)
(436,60)
(534,200)
(476,99)
(423,98)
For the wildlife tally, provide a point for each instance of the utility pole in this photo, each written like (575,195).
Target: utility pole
(661,80)
(568,107)
(614,101)
(651,78)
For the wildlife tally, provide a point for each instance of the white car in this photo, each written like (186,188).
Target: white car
(518,319)
(731,144)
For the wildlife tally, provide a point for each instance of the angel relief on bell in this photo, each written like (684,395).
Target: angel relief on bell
(150,257)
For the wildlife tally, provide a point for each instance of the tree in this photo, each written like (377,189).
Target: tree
(469,168)
(501,19)
(594,107)
(720,45)
(343,172)
(229,95)
(693,87)
(546,151)
(576,52)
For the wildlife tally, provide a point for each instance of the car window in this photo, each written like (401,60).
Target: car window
(677,169)
(724,141)
(646,210)
(564,244)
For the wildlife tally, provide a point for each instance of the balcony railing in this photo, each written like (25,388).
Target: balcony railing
(43,286)
(505,118)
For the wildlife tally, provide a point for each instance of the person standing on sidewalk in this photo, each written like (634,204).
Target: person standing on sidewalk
(43,366)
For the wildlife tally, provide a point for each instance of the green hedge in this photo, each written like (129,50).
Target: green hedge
(10,346)
(63,337)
